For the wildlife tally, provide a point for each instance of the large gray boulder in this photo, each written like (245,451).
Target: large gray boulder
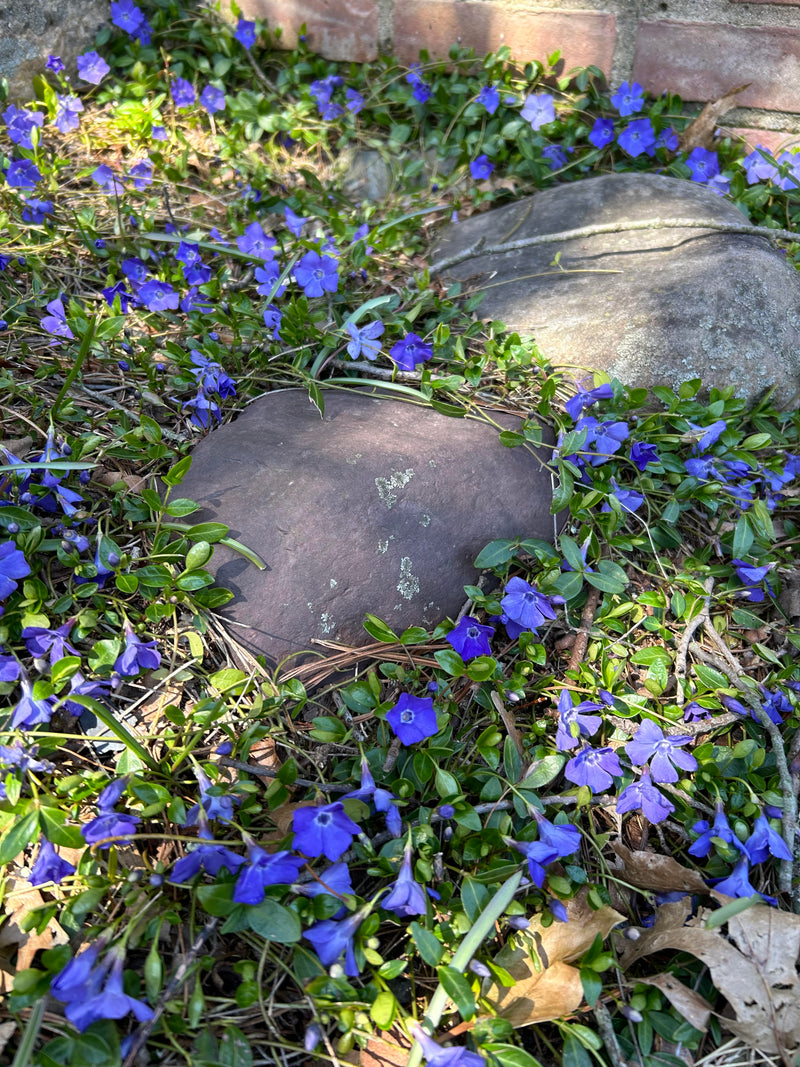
(650,307)
(30,32)
(381,506)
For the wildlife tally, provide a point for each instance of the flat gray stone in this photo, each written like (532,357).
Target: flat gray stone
(381,507)
(650,307)
(31,31)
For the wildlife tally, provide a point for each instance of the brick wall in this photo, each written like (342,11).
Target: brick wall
(698,48)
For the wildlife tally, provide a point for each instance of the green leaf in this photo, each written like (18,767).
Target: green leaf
(446,784)
(575,1055)
(572,552)
(216,899)
(428,946)
(544,771)
(234,1049)
(378,629)
(274,922)
(495,554)
(450,661)
(459,990)
(592,985)
(18,836)
(710,677)
(510,1055)
(511,761)
(743,537)
(473,897)
(207,531)
(178,471)
(727,911)
(383,1010)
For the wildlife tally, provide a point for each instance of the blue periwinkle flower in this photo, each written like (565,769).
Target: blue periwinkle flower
(68,108)
(764,842)
(538,110)
(101,994)
(364,339)
(92,67)
(317,274)
(412,719)
(489,96)
(410,351)
(628,98)
(643,796)
(137,656)
(664,753)
(325,830)
(407,896)
(333,939)
(30,711)
(720,828)
(470,638)
(737,884)
(49,866)
(183,93)
(593,767)
(481,167)
(602,133)
(13,566)
(436,1056)
(383,799)
(574,722)
(335,881)
(703,164)
(637,137)
(216,805)
(256,243)
(523,604)
(263,869)
(245,33)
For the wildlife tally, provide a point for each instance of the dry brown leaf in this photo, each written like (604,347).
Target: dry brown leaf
(646,870)
(7,1031)
(700,131)
(689,1003)
(555,989)
(379,1052)
(133,481)
(754,967)
(20,899)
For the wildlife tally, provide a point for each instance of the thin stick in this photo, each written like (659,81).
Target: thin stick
(610,227)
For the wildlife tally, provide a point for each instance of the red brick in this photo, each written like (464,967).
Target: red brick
(583,37)
(337,29)
(703,61)
(773,140)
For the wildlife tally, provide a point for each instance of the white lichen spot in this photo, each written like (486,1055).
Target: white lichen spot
(334,583)
(352,460)
(425,521)
(431,462)
(408,586)
(387,486)
(383,547)
(326,622)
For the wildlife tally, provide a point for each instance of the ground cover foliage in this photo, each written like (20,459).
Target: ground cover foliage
(561,828)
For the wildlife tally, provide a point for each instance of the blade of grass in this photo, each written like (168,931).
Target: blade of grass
(114,726)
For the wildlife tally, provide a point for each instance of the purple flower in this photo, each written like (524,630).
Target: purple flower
(383,799)
(13,566)
(759,165)
(127,16)
(217,805)
(54,64)
(573,722)
(628,98)
(335,881)
(585,398)
(10,670)
(637,137)
(56,322)
(667,139)
(209,858)
(104,176)
(354,101)
(326,830)
(245,33)
(212,378)
(421,90)
(364,339)
(525,605)
(436,1056)
(764,842)
(317,274)
(694,712)
(322,89)
(118,290)
(256,243)
(36,210)
(789,173)
(108,824)
(751,576)
(22,174)
(142,174)
(20,123)
(68,108)
(264,869)
(49,866)
(593,767)
(92,67)
(266,276)
(649,743)
(80,686)
(412,719)
(410,351)
(481,167)
(110,1001)
(40,641)
(407,896)
(470,638)
(720,828)
(158,133)
(204,410)
(556,154)
(737,884)
(489,96)
(332,940)
(158,296)
(607,439)
(295,223)
(138,655)
(703,164)
(183,93)
(213,99)
(643,454)
(628,499)
(538,110)
(644,796)
(602,133)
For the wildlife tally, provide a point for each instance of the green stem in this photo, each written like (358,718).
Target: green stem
(76,366)
(466,950)
(24,1053)
(120,731)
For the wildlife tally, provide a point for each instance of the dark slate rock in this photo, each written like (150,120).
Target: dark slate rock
(381,506)
(680,303)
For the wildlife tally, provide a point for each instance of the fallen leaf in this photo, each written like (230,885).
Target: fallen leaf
(694,1008)
(21,898)
(754,967)
(646,870)
(547,987)
(700,131)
